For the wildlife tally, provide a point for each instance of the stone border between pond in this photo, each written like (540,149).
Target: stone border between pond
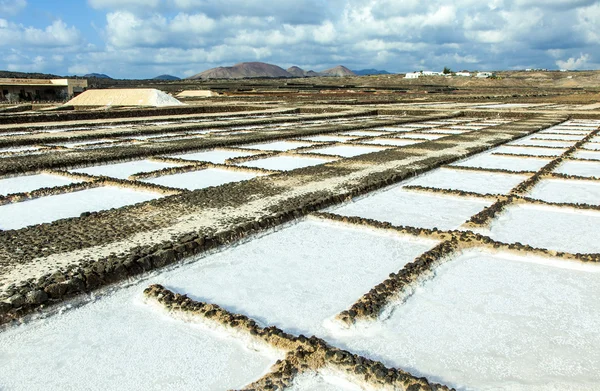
(302,353)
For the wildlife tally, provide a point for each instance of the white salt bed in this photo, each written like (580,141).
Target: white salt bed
(394,129)
(55,207)
(444,131)
(594,146)
(362,133)
(215,156)
(414,209)
(391,141)
(425,136)
(326,138)
(543,143)
(28,183)
(345,150)
(119,342)
(300,276)
(323,380)
(277,146)
(473,181)
(589,155)
(495,322)
(18,149)
(559,137)
(565,190)
(554,228)
(285,163)
(80,143)
(579,168)
(557,131)
(150,136)
(123,170)
(516,150)
(201,179)
(488,160)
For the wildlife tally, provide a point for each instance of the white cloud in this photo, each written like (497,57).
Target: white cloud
(125,30)
(123,4)
(575,63)
(58,34)
(12,7)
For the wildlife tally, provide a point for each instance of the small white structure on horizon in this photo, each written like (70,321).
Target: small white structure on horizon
(431,73)
(416,75)
(485,75)
(463,74)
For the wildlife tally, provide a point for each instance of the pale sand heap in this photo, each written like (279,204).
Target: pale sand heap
(124,97)
(197,94)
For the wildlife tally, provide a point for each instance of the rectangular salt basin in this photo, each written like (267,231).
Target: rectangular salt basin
(298,277)
(473,181)
(495,322)
(533,151)
(580,168)
(326,138)
(285,163)
(121,343)
(76,144)
(391,141)
(555,228)
(362,133)
(421,136)
(414,209)
(345,150)
(593,146)
(61,206)
(558,137)
(588,155)
(444,131)
(543,143)
(277,146)
(394,129)
(488,160)
(124,170)
(201,179)
(569,191)
(22,184)
(151,136)
(215,156)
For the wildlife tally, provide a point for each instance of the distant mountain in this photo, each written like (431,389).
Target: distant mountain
(299,72)
(98,75)
(296,71)
(244,70)
(338,71)
(166,77)
(366,72)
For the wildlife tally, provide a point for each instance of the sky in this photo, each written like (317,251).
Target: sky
(146,38)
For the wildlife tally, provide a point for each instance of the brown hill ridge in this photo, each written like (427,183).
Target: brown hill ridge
(263,70)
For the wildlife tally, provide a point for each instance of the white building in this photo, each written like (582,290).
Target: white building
(463,74)
(431,73)
(485,75)
(412,75)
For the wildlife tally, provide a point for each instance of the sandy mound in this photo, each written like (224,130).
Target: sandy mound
(197,94)
(124,97)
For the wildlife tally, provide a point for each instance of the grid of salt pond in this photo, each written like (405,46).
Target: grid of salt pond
(494,320)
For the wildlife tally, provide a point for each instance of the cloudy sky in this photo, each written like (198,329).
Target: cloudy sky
(145,38)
